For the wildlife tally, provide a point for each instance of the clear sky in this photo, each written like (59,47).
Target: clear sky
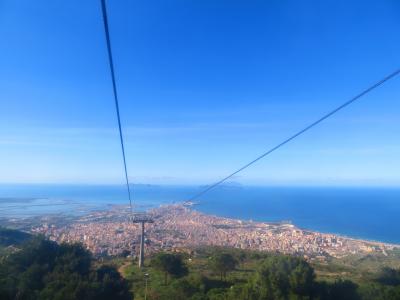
(205,86)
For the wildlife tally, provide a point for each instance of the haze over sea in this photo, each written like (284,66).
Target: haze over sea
(367,213)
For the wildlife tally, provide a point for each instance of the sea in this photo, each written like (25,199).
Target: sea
(358,212)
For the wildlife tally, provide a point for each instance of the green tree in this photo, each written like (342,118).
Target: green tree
(344,290)
(393,293)
(217,294)
(373,292)
(281,277)
(170,264)
(223,263)
(301,279)
(44,270)
(389,276)
(10,237)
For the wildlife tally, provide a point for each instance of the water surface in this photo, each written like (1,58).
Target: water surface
(369,213)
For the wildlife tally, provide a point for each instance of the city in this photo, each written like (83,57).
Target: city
(179,228)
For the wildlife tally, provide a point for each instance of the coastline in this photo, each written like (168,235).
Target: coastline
(192,206)
(307,228)
(179,228)
(289,222)
(367,214)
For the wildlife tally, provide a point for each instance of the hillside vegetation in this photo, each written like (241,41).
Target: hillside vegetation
(220,273)
(41,269)
(10,237)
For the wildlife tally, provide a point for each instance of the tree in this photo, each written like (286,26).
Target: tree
(374,291)
(281,276)
(389,276)
(344,290)
(44,270)
(169,264)
(272,279)
(302,279)
(10,237)
(223,263)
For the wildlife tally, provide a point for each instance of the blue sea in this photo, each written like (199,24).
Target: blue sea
(367,213)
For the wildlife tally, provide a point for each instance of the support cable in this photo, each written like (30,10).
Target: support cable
(114,86)
(326,116)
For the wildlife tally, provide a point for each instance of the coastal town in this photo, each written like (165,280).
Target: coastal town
(181,228)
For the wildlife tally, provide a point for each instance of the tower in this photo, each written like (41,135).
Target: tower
(142,218)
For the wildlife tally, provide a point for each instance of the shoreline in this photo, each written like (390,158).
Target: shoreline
(70,218)
(366,240)
(283,222)
(177,227)
(354,213)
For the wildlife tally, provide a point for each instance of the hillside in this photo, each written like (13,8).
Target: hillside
(11,237)
(42,269)
(260,272)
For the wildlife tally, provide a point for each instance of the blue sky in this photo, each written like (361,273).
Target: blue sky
(205,86)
